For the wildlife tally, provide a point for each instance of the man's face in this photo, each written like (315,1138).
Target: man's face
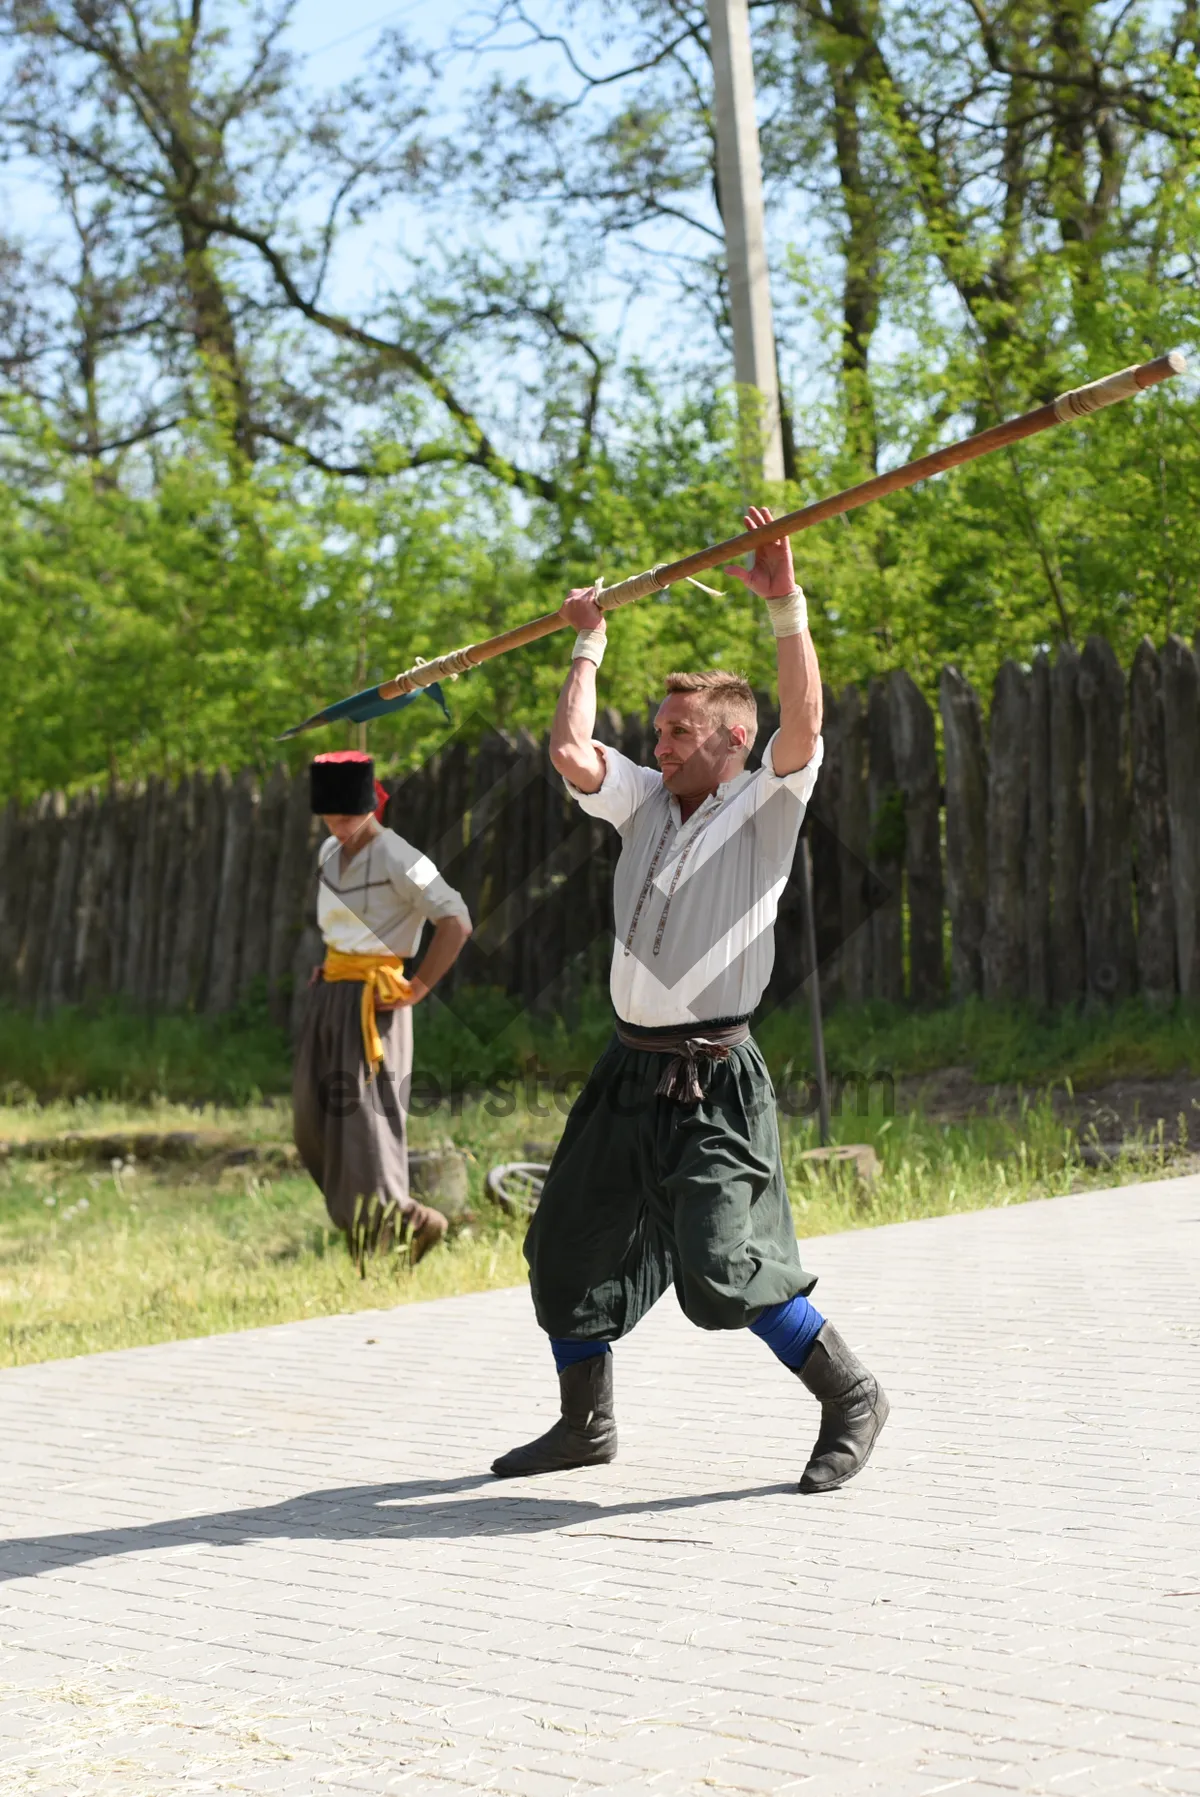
(693,750)
(344,827)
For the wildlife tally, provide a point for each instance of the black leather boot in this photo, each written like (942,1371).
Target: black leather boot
(853,1411)
(584,1435)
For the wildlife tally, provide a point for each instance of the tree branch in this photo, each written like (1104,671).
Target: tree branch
(383,467)
(482,454)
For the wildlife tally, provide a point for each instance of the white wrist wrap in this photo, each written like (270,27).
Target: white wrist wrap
(788,616)
(589,646)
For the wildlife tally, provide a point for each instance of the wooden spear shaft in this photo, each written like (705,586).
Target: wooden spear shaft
(1078,403)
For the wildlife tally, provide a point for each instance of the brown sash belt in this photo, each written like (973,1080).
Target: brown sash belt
(687,1047)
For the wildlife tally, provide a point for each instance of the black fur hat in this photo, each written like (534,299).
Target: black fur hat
(342,784)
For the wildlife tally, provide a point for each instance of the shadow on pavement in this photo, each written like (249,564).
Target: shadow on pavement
(415,1511)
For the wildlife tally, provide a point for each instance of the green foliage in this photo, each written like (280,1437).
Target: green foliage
(1005,207)
(889,828)
(933,1169)
(116,1055)
(185,627)
(1016,1044)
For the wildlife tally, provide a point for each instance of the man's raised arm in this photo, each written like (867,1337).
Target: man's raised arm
(572,751)
(800,705)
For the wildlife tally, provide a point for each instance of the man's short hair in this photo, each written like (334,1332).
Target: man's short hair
(729,698)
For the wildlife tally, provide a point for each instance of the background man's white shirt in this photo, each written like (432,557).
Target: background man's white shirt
(384,898)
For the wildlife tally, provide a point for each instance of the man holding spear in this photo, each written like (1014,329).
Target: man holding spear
(669,1166)
(669,1169)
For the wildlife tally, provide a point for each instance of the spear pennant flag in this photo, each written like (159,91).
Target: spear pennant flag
(392,695)
(372,702)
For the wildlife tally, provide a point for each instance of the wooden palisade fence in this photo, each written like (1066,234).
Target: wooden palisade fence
(1059,840)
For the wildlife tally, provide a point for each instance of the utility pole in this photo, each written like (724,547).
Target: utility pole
(739,176)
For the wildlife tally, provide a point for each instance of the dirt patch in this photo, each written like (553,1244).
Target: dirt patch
(181,1146)
(1120,1110)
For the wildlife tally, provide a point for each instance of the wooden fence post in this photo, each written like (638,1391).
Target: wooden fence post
(853,831)
(142,953)
(176,897)
(87,904)
(1037,875)
(1181,714)
(1068,963)
(38,876)
(966,829)
(886,848)
(1005,963)
(12,836)
(170,884)
(230,910)
(96,901)
(293,870)
(1107,867)
(266,840)
(177,951)
(122,816)
(1151,830)
(490,859)
(210,797)
(538,939)
(827,857)
(309,953)
(915,748)
(556,946)
(163,874)
(209,800)
(134,919)
(56,983)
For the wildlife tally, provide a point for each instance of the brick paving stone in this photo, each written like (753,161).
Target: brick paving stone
(214,1576)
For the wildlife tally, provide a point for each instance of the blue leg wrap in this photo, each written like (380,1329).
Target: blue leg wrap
(567,1353)
(789,1330)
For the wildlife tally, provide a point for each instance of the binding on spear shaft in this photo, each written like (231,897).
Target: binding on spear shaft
(1078,403)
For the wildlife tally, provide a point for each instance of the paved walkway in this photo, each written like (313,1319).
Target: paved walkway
(273,1562)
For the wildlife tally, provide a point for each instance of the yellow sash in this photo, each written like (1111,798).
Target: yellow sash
(381,979)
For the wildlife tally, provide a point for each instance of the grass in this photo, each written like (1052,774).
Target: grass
(933,1169)
(96,1258)
(1015,1044)
(233,1061)
(108,1051)
(110,1260)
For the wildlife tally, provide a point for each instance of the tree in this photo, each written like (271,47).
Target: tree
(194,144)
(1008,156)
(1006,192)
(238,482)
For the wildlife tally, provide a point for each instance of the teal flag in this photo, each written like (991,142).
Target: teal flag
(360,707)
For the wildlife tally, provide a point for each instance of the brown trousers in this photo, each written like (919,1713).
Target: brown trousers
(350,1130)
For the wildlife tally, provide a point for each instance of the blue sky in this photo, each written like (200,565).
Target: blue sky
(338,43)
(635,307)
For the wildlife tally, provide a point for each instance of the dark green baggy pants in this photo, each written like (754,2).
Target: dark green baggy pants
(644,1192)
